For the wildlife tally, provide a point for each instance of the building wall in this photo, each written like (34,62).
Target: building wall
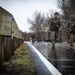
(5,24)
(0,19)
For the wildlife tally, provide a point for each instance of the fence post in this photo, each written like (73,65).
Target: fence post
(1,52)
(7,48)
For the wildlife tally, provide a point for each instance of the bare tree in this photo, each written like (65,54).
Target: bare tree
(67,7)
(38,25)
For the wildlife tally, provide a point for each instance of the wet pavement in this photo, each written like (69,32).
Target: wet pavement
(62,57)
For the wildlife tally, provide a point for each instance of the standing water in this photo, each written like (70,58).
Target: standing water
(62,57)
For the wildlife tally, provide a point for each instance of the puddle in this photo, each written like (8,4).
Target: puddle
(62,57)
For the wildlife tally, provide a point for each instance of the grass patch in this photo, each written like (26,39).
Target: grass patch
(21,63)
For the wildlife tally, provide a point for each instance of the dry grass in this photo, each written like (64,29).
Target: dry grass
(21,63)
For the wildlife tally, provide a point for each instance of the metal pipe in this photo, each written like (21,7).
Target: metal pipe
(12,27)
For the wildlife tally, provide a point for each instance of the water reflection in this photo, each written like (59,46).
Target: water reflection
(61,57)
(63,60)
(52,56)
(71,53)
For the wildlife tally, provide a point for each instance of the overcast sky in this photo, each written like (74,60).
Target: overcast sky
(23,9)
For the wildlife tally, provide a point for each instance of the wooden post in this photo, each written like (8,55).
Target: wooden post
(1,52)
(13,46)
(7,49)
